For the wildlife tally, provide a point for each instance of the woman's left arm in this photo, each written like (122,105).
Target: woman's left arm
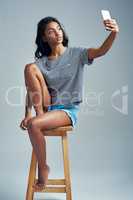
(112,26)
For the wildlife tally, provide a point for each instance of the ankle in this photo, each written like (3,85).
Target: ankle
(45,166)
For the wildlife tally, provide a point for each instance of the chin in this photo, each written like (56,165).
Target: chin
(59,42)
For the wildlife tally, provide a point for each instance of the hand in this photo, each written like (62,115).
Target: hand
(24,122)
(111,25)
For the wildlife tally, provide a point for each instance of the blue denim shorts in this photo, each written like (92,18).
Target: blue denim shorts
(71,110)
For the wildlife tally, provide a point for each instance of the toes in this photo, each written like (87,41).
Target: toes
(39,186)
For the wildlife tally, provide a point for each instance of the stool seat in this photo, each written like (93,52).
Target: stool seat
(59,131)
(62,185)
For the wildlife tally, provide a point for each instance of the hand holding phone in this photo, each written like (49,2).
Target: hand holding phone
(110,24)
(106,16)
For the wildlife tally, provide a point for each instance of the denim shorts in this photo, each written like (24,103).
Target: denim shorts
(71,110)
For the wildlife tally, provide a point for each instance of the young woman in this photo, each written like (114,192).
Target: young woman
(54,84)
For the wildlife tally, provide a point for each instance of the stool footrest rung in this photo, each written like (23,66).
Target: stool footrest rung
(55,181)
(52,190)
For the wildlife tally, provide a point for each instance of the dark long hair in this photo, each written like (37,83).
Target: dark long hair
(43,48)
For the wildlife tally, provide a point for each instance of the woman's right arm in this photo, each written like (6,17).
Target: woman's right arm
(28,114)
(28,105)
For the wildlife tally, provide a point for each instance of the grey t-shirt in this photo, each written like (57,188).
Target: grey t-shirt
(64,75)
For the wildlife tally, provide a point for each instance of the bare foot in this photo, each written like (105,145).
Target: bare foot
(42,178)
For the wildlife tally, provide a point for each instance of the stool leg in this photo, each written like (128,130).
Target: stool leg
(32,177)
(66,167)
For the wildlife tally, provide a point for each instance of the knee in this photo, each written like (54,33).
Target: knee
(32,125)
(29,69)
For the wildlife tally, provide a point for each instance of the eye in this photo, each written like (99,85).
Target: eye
(50,31)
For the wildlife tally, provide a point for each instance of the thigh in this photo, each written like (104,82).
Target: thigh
(51,119)
(40,76)
(45,92)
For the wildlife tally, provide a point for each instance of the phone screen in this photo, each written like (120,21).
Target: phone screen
(105,14)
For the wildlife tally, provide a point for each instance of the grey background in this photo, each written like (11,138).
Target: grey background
(100,147)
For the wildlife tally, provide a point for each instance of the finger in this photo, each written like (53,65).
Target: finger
(23,127)
(108,29)
(110,26)
(110,23)
(21,124)
(106,21)
(111,29)
(113,20)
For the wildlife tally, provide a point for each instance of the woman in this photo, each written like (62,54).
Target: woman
(54,84)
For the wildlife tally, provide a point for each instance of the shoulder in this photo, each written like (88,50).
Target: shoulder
(33,66)
(40,62)
(78,49)
(30,66)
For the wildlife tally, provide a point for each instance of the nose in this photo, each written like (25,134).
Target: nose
(57,32)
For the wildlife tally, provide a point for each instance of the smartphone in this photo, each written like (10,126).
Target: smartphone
(105,14)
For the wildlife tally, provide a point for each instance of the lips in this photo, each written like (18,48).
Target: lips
(59,38)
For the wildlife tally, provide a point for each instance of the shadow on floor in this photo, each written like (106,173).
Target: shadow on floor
(48,198)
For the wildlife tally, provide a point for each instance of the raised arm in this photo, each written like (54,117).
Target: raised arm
(111,25)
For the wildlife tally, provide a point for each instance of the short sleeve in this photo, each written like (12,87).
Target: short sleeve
(39,63)
(84,56)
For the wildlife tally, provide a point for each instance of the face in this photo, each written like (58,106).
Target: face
(53,34)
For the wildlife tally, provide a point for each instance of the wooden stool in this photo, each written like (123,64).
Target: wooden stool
(59,185)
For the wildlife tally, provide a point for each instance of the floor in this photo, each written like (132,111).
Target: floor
(92,186)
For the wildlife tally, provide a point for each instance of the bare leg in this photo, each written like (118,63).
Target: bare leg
(37,88)
(39,144)
(40,98)
(36,127)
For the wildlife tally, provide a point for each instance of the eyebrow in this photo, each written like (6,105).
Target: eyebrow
(58,26)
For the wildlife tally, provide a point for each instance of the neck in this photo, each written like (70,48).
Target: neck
(57,50)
